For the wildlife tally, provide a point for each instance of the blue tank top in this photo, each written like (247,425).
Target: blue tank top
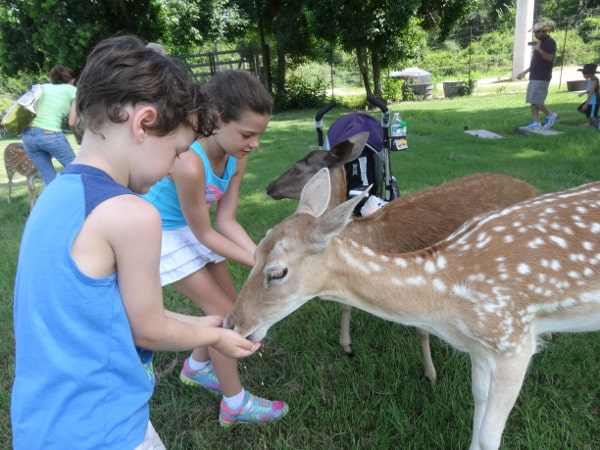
(80,382)
(163,195)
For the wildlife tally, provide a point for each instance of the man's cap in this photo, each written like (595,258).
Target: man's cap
(543,26)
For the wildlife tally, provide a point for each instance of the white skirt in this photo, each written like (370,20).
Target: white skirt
(181,255)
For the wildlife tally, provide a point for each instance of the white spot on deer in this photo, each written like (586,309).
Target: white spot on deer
(463,291)
(374,266)
(499,229)
(430,267)
(523,269)
(587,245)
(595,228)
(554,264)
(559,241)
(581,209)
(397,282)
(354,262)
(588,272)
(508,239)
(535,243)
(401,262)
(441,263)
(476,277)
(483,239)
(439,285)
(367,251)
(415,281)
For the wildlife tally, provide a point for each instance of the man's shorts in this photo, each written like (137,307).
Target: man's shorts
(537,91)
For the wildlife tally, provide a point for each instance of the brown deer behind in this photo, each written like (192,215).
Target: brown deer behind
(17,161)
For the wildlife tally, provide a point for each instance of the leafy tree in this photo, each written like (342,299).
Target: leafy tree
(383,32)
(37,34)
(192,24)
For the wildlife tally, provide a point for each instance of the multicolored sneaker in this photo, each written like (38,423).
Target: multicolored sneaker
(206,377)
(254,409)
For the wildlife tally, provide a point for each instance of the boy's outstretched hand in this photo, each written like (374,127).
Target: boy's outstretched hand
(233,345)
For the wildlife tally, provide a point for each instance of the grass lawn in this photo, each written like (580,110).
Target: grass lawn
(380,398)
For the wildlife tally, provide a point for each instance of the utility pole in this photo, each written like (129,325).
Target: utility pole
(523,23)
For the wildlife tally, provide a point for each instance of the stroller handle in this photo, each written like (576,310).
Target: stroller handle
(319,124)
(377,102)
(385,117)
(324,110)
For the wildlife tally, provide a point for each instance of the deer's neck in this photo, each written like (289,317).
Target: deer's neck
(375,281)
(338,187)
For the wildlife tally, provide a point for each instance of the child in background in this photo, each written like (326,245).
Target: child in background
(591,104)
(194,254)
(88,307)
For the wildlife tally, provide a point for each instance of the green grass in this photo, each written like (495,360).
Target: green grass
(379,398)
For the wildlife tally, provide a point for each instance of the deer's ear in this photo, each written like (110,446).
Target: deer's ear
(347,150)
(334,221)
(315,195)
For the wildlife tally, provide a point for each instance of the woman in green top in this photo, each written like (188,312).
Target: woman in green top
(44,139)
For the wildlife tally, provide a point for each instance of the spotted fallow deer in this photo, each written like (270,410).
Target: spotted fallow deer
(408,223)
(489,289)
(17,161)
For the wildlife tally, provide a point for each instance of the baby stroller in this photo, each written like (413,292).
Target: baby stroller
(373,165)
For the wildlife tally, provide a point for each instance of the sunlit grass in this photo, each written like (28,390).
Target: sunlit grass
(380,398)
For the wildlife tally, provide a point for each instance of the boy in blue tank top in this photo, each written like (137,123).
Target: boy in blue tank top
(88,307)
(193,255)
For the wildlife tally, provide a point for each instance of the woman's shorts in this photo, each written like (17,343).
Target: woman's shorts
(537,91)
(182,255)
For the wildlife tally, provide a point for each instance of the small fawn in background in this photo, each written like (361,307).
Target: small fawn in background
(16,160)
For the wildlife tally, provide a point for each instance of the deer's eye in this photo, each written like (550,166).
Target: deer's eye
(276,273)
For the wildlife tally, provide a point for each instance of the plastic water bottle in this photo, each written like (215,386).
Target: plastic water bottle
(398,133)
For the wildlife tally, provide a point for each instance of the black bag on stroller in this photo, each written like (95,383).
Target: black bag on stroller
(373,165)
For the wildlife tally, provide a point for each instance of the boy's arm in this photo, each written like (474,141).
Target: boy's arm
(135,238)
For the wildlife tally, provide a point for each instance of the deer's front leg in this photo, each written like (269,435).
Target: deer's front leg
(496,383)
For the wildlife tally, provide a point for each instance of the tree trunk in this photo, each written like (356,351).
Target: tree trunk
(363,67)
(376,74)
(280,78)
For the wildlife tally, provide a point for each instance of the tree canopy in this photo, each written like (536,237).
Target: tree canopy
(37,34)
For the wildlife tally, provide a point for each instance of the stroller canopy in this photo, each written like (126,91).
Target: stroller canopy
(354,123)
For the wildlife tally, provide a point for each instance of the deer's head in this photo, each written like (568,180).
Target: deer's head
(290,183)
(289,265)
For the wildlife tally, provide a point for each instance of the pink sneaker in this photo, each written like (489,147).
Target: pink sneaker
(254,409)
(206,377)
